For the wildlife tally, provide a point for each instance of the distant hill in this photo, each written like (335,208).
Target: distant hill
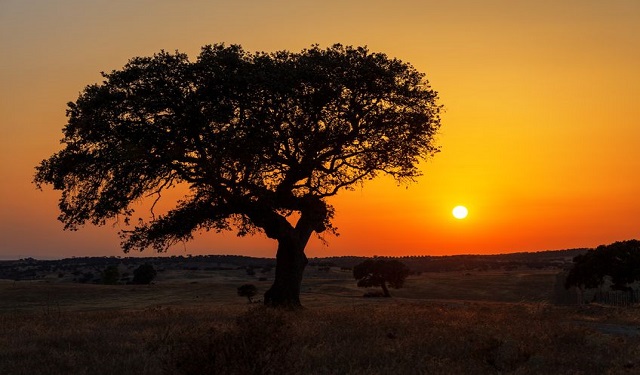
(85,269)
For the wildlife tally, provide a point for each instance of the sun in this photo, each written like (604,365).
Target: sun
(460,212)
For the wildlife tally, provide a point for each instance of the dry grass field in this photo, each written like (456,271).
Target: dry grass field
(194,323)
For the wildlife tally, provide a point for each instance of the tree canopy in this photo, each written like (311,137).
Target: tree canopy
(620,261)
(380,272)
(254,136)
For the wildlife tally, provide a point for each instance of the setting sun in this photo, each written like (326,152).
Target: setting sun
(508,146)
(460,212)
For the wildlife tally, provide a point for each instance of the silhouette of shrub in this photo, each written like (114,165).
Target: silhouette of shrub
(247,290)
(144,274)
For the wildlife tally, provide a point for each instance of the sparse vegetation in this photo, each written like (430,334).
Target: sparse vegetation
(192,322)
(401,338)
(32,269)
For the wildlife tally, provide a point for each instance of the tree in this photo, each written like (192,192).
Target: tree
(380,272)
(247,290)
(258,140)
(620,261)
(144,274)
(110,275)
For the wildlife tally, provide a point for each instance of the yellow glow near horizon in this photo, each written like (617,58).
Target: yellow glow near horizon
(539,134)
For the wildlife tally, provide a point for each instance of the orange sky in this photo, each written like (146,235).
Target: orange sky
(540,139)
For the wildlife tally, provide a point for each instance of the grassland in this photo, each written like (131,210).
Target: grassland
(194,323)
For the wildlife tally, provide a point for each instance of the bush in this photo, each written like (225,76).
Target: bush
(247,290)
(144,274)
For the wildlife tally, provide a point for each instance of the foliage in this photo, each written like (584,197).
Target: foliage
(144,274)
(247,290)
(380,272)
(254,136)
(620,261)
(110,275)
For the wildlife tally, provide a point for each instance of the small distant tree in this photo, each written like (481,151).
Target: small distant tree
(620,261)
(144,274)
(247,290)
(380,272)
(110,275)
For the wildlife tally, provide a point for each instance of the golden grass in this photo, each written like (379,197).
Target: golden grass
(184,328)
(387,338)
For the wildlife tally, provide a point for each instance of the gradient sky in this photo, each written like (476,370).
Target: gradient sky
(540,139)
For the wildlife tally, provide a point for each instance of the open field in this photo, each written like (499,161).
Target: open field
(176,287)
(194,323)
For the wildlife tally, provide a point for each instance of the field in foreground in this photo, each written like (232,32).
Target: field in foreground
(198,326)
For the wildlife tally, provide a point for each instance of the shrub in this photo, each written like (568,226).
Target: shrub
(144,274)
(247,290)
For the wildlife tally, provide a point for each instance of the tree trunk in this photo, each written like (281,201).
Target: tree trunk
(290,258)
(290,264)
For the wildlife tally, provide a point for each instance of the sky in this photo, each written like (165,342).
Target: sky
(540,138)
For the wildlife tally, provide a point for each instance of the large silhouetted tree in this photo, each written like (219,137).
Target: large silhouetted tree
(256,137)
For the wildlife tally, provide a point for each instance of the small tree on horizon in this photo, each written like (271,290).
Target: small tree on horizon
(253,139)
(380,272)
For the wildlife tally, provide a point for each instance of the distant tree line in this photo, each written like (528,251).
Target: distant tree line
(31,269)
